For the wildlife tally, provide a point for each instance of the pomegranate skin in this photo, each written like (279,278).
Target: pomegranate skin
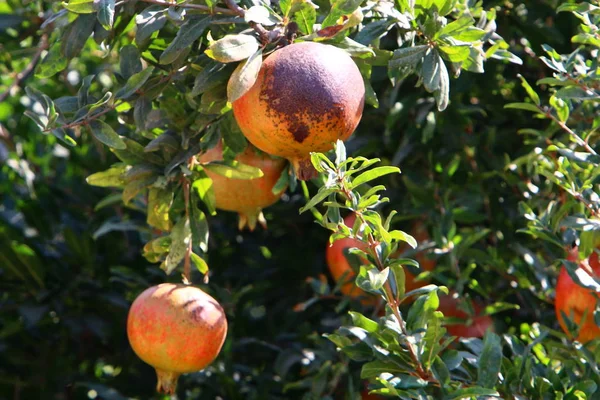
(476,327)
(247,197)
(575,301)
(176,329)
(306,96)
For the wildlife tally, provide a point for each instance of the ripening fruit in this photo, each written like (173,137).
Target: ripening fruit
(340,268)
(338,264)
(176,329)
(247,197)
(474,326)
(575,300)
(307,95)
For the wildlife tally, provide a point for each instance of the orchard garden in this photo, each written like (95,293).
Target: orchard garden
(299,199)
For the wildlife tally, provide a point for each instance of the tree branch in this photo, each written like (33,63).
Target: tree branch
(21,76)
(211,10)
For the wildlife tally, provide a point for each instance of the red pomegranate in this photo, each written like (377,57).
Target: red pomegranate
(307,96)
(340,268)
(474,326)
(247,197)
(176,329)
(576,301)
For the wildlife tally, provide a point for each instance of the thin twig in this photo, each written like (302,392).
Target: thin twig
(28,69)
(188,252)
(211,10)
(392,301)
(565,128)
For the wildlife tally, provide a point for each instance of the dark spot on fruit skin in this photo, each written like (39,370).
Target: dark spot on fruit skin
(298,91)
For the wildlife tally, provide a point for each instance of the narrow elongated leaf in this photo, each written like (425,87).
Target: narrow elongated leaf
(80,6)
(530,92)
(186,36)
(408,56)
(234,169)
(52,63)
(112,177)
(523,106)
(203,187)
(76,35)
(373,174)
(233,48)
(134,83)
(149,21)
(431,71)
(159,204)
(199,263)
(106,13)
(373,369)
(490,361)
(180,239)
(244,77)
(105,134)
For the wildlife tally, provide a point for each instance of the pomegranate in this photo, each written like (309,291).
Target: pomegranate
(575,300)
(246,196)
(307,95)
(176,329)
(474,326)
(339,267)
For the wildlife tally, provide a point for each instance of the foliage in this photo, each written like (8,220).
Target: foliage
(152,81)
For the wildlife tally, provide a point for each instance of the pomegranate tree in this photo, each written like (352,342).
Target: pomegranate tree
(176,329)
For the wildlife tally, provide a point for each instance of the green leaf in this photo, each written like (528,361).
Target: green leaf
(282,183)
(202,185)
(561,107)
(373,369)
(134,83)
(399,279)
(159,204)
(199,225)
(530,92)
(374,30)
(524,106)
(373,174)
(471,392)
(408,56)
(244,77)
(129,63)
(106,13)
(455,53)
(232,48)
(233,169)
(340,8)
(105,134)
(319,197)
(150,20)
(378,278)
(260,15)
(430,71)
(76,35)
(442,94)
(180,240)
(211,76)
(305,15)
(199,263)
(80,6)
(191,30)
(490,361)
(52,63)
(363,322)
(112,177)
(455,27)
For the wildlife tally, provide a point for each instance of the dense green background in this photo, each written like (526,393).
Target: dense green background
(65,287)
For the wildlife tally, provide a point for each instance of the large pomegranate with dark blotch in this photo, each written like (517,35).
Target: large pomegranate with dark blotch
(577,302)
(247,197)
(307,95)
(176,329)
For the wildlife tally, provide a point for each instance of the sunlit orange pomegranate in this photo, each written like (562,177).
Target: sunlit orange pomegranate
(247,197)
(576,301)
(307,95)
(176,329)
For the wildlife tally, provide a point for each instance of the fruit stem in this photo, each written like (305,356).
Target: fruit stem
(304,169)
(167,381)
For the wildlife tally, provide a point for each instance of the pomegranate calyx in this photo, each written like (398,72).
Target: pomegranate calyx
(167,381)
